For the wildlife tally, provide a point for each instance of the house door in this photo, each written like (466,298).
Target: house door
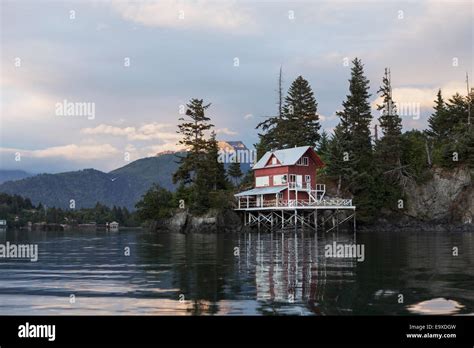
(299,181)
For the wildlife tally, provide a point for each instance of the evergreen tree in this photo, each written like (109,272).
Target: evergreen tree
(338,162)
(193,131)
(300,119)
(453,136)
(389,148)
(355,119)
(323,144)
(200,169)
(354,139)
(155,203)
(214,171)
(235,172)
(297,123)
(437,120)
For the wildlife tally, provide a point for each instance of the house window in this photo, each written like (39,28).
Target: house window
(307,178)
(303,161)
(279,179)
(292,177)
(262,181)
(274,161)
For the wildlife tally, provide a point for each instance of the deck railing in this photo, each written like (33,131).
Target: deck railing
(283,203)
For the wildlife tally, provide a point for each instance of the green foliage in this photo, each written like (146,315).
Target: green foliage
(450,136)
(438,122)
(339,164)
(388,149)
(297,123)
(355,119)
(414,155)
(200,171)
(235,172)
(156,203)
(18,211)
(221,200)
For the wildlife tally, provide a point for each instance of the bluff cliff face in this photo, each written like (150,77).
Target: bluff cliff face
(448,197)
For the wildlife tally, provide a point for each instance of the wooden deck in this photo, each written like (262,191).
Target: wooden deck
(281,204)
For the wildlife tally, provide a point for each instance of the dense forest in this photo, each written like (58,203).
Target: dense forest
(374,171)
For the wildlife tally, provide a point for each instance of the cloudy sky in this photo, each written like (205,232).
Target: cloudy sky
(135,64)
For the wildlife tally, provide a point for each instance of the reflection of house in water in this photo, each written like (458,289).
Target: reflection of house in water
(291,269)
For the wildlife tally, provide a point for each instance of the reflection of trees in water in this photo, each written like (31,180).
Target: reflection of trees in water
(199,267)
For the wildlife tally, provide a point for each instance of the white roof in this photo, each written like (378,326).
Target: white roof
(287,157)
(261,191)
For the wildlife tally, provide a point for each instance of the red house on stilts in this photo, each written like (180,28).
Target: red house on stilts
(287,194)
(285,178)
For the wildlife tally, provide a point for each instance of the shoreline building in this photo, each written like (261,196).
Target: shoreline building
(286,193)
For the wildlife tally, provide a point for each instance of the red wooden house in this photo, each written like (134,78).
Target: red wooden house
(285,178)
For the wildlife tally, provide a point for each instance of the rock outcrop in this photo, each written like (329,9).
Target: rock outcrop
(448,197)
(214,221)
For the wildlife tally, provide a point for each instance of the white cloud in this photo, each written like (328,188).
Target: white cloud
(70,152)
(248,117)
(225,15)
(424,97)
(225,131)
(150,131)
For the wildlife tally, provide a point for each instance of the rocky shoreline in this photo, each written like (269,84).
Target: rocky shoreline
(228,221)
(222,221)
(444,203)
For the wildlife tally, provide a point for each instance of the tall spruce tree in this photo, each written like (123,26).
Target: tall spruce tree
(355,119)
(323,144)
(214,171)
(437,120)
(300,119)
(355,140)
(388,148)
(193,131)
(297,123)
(199,169)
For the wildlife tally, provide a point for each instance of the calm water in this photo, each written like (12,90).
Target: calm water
(274,274)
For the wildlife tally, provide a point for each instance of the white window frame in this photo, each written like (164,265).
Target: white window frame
(307,178)
(274,161)
(303,161)
(280,179)
(259,183)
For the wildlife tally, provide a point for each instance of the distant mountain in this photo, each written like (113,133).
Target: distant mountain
(121,187)
(7,175)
